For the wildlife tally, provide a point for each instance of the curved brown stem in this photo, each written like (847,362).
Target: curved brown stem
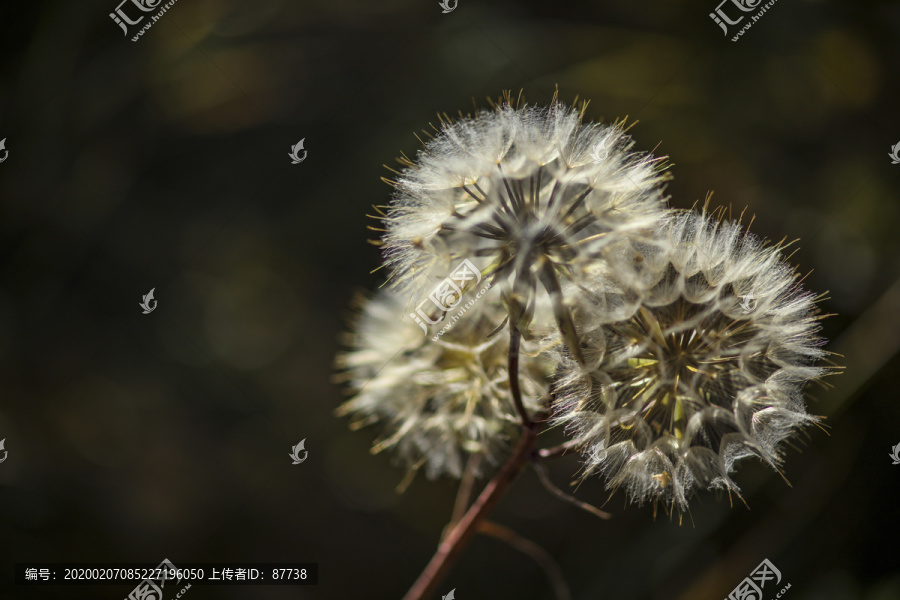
(464,493)
(538,554)
(452,545)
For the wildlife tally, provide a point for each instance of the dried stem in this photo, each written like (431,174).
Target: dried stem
(558,451)
(464,493)
(450,548)
(541,470)
(538,554)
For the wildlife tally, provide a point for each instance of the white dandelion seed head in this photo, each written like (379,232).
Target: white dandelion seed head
(679,379)
(437,401)
(521,194)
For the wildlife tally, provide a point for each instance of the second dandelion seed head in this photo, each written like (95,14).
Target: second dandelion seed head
(681,382)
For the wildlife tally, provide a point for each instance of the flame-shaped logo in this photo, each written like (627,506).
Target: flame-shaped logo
(295,452)
(895,454)
(748,303)
(5,452)
(450,596)
(5,151)
(895,154)
(445,4)
(599,152)
(148,298)
(295,152)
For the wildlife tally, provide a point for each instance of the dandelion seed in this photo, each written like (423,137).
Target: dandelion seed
(520,192)
(438,401)
(681,379)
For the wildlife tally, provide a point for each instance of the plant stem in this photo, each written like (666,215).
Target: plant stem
(515,341)
(464,494)
(538,554)
(558,451)
(450,547)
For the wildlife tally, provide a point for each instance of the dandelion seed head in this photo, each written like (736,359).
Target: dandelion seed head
(438,401)
(521,193)
(682,376)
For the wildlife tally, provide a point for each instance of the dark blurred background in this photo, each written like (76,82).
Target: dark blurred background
(163,163)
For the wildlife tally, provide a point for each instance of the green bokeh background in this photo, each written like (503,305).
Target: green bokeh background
(163,164)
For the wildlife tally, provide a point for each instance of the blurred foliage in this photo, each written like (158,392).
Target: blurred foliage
(162,163)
